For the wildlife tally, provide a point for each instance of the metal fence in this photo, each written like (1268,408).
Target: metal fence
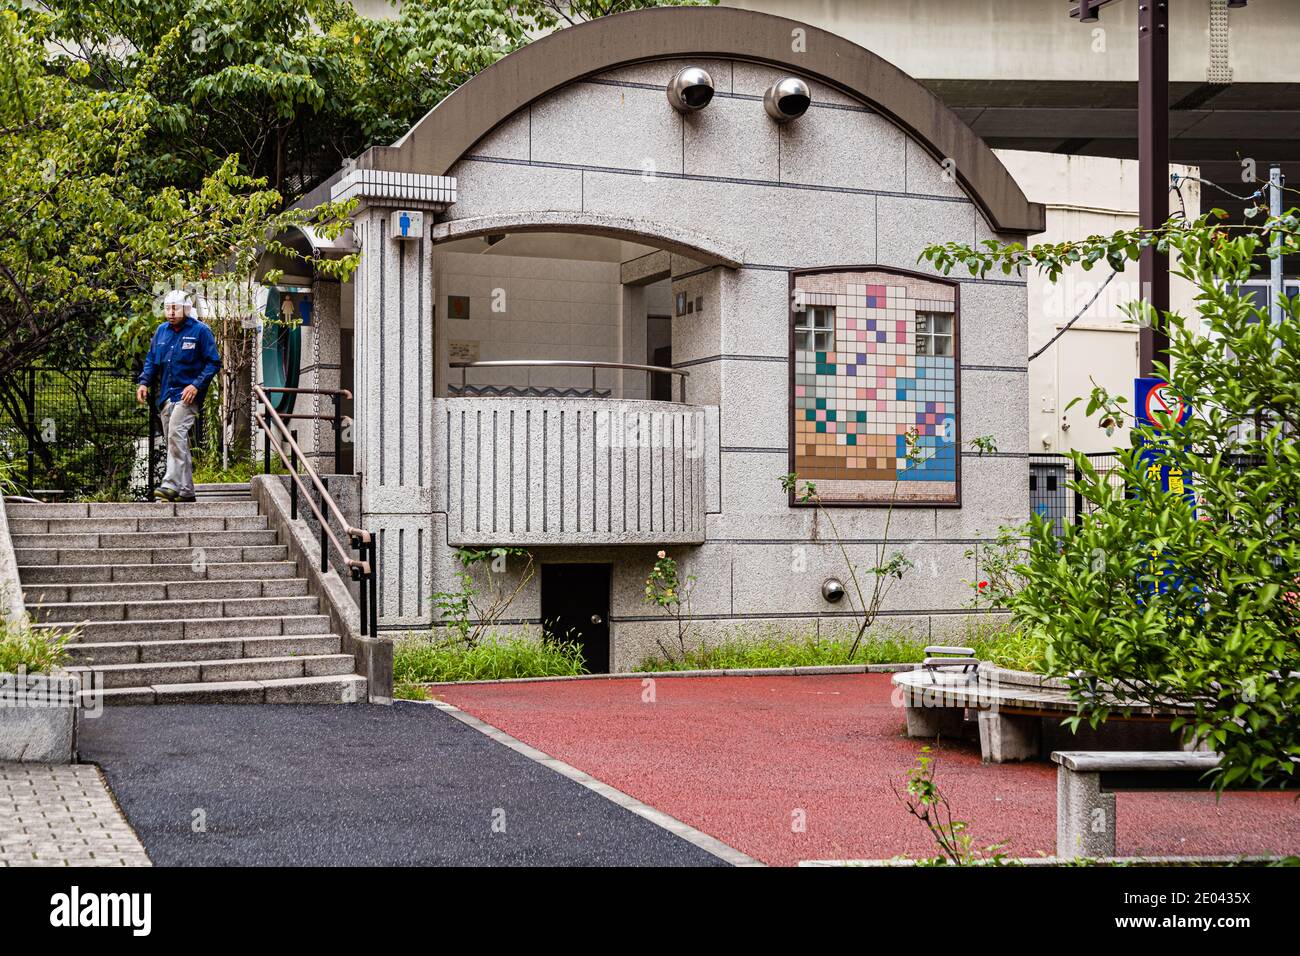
(79,433)
(1050,494)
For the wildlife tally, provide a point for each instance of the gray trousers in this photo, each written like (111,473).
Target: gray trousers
(178,421)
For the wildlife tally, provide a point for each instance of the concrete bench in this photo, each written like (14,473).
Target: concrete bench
(1087,781)
(1010,708)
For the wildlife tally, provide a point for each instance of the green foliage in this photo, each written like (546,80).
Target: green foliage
(8,476)
(927,802)
(497,656)
(999,576)
(472,612)
(740,648)
(26,649)
(1149,599)
(668,590)
(86,231)
(772,647)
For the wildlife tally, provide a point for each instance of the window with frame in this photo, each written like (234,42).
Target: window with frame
(934,333)
(814,329)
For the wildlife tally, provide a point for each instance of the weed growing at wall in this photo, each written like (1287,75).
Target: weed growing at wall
(472,612)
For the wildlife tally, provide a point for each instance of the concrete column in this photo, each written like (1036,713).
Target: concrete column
(942,722)
(1008,737)
(320,369)
(1085,816)
(633,342)
(394,412)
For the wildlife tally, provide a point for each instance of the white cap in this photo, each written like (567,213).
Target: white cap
(177,297)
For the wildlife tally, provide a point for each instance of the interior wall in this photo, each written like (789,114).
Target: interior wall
(530,307)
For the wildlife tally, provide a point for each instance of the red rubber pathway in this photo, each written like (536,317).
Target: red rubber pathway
(740,757)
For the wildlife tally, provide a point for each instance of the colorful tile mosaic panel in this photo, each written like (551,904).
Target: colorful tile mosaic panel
(874,361)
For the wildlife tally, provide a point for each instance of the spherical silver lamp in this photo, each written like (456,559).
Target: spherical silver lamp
(786,99)
(690,90)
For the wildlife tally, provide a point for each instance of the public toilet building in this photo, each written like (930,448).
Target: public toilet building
(620,283)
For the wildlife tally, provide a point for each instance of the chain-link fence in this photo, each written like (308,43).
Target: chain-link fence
(79,433)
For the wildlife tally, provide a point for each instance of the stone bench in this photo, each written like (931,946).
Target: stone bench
(1010,708)
(1087,781)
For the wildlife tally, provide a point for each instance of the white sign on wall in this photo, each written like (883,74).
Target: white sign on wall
(406,224)
(462,351)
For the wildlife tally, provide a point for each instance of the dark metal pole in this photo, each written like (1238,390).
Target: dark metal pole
(338,432)
(1078,495)
(153,433)
(293,483)
(324,531)
(266,447)
(364,591)
(31,433)
(374,577)
(1153,171)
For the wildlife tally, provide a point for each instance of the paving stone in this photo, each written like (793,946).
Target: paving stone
(62,815)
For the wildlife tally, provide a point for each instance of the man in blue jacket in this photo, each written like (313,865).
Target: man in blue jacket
(184,356)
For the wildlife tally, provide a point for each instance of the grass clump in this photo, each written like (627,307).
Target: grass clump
(419,659)
(24,648)
(998,643)
(1006,646)
(740,649)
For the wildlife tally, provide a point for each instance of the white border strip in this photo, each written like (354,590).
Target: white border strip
(674,826)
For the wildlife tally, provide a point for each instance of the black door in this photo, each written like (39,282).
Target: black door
(575,607)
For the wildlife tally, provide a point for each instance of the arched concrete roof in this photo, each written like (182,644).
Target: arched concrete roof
(448,131)
(703,249)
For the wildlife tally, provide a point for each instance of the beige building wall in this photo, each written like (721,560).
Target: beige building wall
(1085,195)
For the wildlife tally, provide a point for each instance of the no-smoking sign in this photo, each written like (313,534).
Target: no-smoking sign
(1161,399)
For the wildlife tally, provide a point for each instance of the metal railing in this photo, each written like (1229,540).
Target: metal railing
(365,567)
(336,395)
(574,363)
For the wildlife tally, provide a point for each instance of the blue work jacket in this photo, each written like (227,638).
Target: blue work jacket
(184,356)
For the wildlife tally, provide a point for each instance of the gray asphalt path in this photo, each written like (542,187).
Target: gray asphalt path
(354,785)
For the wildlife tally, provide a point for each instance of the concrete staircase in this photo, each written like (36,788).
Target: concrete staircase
(179,603)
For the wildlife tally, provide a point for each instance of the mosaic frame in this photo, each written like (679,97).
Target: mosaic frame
(903,497)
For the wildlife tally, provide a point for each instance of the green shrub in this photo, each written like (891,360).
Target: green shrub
(36,652)
(1181,581)
(425,660)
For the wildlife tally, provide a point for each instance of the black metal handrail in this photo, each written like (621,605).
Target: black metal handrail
(681,374)
(365,567)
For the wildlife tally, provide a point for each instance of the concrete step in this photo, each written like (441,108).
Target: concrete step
(98,632)
(117,676)
(167,610)
(331,689)
(172,556)
(38,574)
(132,509)
(169,523)
(209,649)
(163,590)
(129,540)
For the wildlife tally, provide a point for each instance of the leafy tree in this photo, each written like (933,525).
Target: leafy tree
(155,140)
(1155,597)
